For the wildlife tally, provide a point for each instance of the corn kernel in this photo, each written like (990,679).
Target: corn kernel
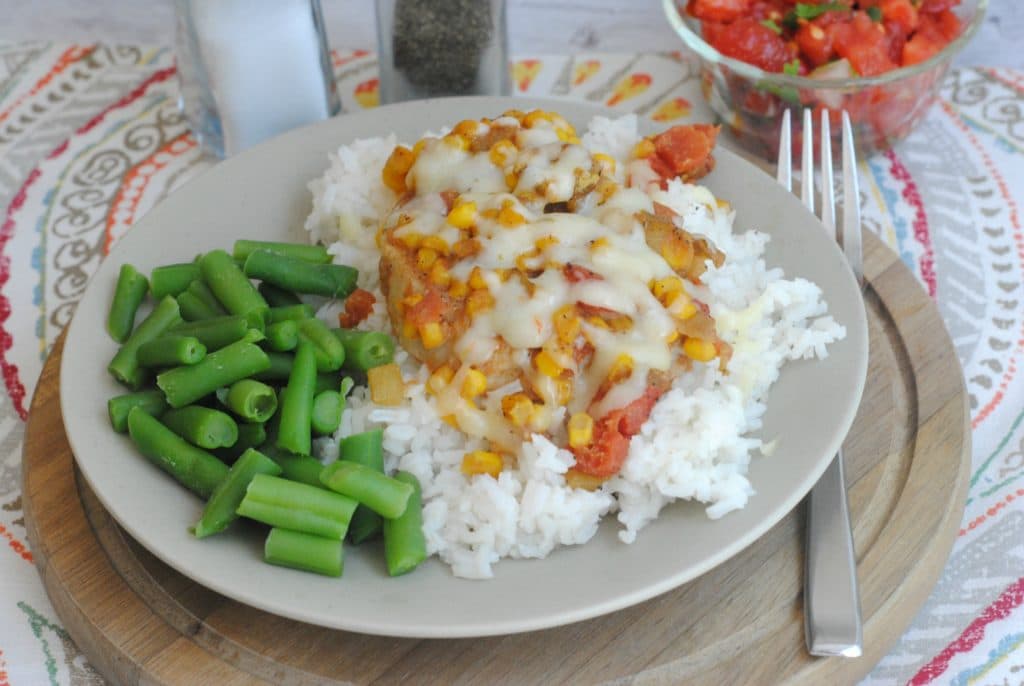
(450,420)
(605,188)
(567,135)
(476,279)
(517,408)
(501,152)
(598,322)
(678,252)
(409,329)
(685,310)
(644,148)
(440,378)
(456,141)
(535,116)
(588,482)
(474,384)
(606,163)
(435,243)
(546,364)
(439,275)
(661,288)
(699,350)
(458,289)
(522,260)
(412,299)
(431,334)
(411,240)
(418,147)
(466,127)
(672,337)
(546,242)
(563,391)
(397,167)
(567,324)
(515,114)
(479,301)
(490,213)
(481,462)
(621,323)
(509,218)
(511,180)
(463,215)
(621,369)
(581,430)
(425,258)
(600,243)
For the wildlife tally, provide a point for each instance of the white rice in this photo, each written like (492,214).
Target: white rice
(697,443)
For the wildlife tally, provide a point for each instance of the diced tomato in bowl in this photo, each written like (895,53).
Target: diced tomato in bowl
(880,60)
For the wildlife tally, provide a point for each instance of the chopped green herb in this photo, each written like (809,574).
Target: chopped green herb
(875,13)
(806,11)
(792,68)
(772,26)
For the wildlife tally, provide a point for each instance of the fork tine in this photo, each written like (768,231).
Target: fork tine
(851,238)
(828,197)
(807,163)
(784,169)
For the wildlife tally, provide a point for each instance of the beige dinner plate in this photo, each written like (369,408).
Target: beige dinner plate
(262,194)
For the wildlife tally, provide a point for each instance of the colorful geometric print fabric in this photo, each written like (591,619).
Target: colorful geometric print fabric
(91,139)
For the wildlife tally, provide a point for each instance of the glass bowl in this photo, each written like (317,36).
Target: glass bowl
(883,108)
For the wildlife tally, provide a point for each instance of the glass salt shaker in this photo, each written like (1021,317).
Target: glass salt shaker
(250,69)
(430,48)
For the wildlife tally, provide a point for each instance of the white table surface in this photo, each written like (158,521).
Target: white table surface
(535,26)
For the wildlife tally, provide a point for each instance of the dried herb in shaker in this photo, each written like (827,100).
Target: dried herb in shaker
(447,47)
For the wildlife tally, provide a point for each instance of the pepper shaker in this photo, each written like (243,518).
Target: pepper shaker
(250,69)
(431,48)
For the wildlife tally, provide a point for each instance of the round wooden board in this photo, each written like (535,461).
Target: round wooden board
(908,463)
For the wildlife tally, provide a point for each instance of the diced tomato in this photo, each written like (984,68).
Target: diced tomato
(815,44)
(862,43)
(358,306)
(718,10)
(936,6)
(574,273)
(926,42)
(429,309)
(606,454)
(685,150)
(948,24)
(712,31)
(747,40)
(900,12)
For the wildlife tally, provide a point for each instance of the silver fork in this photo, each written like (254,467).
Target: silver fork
(832,621)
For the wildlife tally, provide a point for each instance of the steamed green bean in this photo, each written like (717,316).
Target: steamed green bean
(230,286)
(221,508)
(298,507)
(297,403)
(125,365)
(317,254)
(305,552)
(382,494)
(404,544)
(298,312)
(172,279)
(252,400)
(276,297)
(365,349)
(249,436)
(329,280)
(329,351)
(214,333)
(129,293)
(196,469)
(366,449)
(282,336)
(168,351)
(326,415)
(152,402)
(240,360)
(202,426)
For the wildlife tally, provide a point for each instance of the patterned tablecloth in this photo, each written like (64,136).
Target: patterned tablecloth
(91,138)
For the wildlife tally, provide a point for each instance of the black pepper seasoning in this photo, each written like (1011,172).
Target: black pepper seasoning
(432,48)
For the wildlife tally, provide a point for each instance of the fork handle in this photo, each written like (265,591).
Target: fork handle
(831,603)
